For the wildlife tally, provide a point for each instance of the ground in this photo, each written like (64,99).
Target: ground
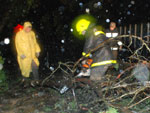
(44,100)
(48,100)
(29,100)
(84,97)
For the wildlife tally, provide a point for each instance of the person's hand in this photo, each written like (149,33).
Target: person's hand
(120,48)
(23,56)
(37,55)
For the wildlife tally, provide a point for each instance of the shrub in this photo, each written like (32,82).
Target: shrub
(3,78)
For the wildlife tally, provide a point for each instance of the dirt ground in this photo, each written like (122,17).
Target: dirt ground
(29,100)
(46,100)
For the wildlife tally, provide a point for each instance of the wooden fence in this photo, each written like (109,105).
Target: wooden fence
(142,30)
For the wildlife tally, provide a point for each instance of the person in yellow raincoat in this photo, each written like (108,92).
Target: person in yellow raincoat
(28,51)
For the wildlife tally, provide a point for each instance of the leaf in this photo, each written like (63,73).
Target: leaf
(90,111)
(112,110)
(47,109)
(73,105)
(30,2)
(1,60)
(116,66)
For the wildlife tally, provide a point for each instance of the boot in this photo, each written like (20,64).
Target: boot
(35,83)
(24,82)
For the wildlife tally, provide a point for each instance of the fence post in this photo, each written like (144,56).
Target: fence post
(120,28)
(135,33)
(148,26)
(125,32)
(141,30)
(135,29)
(130,29)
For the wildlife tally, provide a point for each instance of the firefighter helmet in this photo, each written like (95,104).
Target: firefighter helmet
(82,23)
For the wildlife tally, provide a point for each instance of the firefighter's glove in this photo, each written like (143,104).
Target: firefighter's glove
(23,57)
(120,43)
(87,55)
(84,62)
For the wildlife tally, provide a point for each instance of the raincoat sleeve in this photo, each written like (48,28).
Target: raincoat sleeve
(38,50)
(18,44)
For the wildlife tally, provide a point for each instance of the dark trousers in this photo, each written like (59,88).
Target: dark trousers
(35,70)
(115,53)
(98,73)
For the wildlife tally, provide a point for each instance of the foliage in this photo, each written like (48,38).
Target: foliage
(111,110)
(116,66)
(47,109)
(30,2)
(62,105)
(3,82)
(3,78)
(1,60)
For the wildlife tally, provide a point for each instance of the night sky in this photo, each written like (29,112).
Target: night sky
(52,23)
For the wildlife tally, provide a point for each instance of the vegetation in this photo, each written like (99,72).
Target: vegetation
(3,78)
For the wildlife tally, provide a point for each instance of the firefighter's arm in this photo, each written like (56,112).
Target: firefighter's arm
(87,47)
(92,43)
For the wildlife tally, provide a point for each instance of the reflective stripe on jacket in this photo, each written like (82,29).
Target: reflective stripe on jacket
(102,56)
(104,63)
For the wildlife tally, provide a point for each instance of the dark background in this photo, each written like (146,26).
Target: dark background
(52,20)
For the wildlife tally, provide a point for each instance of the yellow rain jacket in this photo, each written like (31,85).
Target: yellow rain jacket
(27,45)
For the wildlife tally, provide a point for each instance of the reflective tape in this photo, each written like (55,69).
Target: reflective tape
(108,35)
(104,63)
(114,48)
(99,32)
(114,35)
(111,35)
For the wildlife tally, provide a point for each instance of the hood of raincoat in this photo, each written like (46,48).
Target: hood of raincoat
(27,24)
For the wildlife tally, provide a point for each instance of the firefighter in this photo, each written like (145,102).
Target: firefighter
(28,51)
(101,59)
(112,32)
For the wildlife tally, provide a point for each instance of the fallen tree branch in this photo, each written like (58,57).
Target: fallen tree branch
(139,102)
(144,43)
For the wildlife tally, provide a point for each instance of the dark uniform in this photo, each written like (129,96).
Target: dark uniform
(102,58)
(115,43)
